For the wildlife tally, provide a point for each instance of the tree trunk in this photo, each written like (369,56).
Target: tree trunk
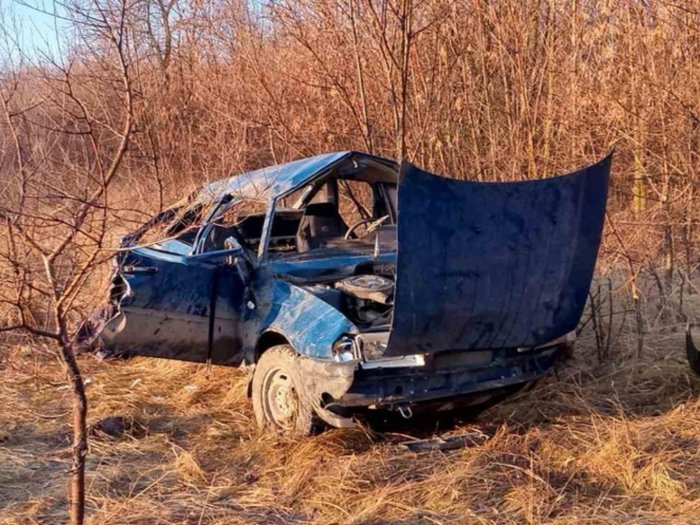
(406,37)
(668,258)
(80,446)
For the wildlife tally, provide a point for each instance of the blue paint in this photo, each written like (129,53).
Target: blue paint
(478,266)
(308,323)
(272,181)
(275,181)
(494,265)
(168,306)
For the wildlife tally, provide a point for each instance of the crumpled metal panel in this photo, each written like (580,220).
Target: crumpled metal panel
(307,322)
(494,265)
(273,181)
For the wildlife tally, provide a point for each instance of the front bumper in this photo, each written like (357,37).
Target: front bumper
(345,385)
(384,388)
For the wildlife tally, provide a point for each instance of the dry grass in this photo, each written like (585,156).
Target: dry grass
(614,444)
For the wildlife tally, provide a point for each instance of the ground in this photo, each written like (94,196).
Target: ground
(612,443)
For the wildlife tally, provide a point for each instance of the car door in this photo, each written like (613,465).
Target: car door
(180,306)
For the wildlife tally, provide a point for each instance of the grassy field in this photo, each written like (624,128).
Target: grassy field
(613,444)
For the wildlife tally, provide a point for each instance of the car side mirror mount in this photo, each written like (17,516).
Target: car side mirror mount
(237,257)
(233,249)
(231,254)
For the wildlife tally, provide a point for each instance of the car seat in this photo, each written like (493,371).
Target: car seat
(321,223)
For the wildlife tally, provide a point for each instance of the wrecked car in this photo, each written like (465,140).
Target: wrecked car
(347,283)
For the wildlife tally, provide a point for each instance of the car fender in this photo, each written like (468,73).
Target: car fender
(309,324)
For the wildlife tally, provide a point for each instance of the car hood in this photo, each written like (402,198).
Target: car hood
(494,265)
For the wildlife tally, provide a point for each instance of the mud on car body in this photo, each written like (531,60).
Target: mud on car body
(348,283)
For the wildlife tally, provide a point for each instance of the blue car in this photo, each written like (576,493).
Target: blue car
(346,284)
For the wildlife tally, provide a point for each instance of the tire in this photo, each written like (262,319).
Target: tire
(278,400)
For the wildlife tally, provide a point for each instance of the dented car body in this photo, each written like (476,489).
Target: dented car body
(389,287)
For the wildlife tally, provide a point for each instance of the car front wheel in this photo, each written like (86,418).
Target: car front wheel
(278,401)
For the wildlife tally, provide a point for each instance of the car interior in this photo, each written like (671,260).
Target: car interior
(340,209)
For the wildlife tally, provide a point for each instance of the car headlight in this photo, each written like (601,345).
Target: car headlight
(344,349)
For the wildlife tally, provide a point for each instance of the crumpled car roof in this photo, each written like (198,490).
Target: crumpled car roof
(273,181)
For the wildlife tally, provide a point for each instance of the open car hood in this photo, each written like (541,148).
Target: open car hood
(494,265)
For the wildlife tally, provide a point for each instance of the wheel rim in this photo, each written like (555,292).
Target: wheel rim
(280,400)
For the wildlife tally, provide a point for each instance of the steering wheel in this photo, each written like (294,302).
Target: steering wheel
(373,224)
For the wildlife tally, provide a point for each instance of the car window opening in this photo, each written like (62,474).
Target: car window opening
(340,209)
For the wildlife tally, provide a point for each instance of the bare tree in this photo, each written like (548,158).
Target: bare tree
(490,91)
(56,214)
